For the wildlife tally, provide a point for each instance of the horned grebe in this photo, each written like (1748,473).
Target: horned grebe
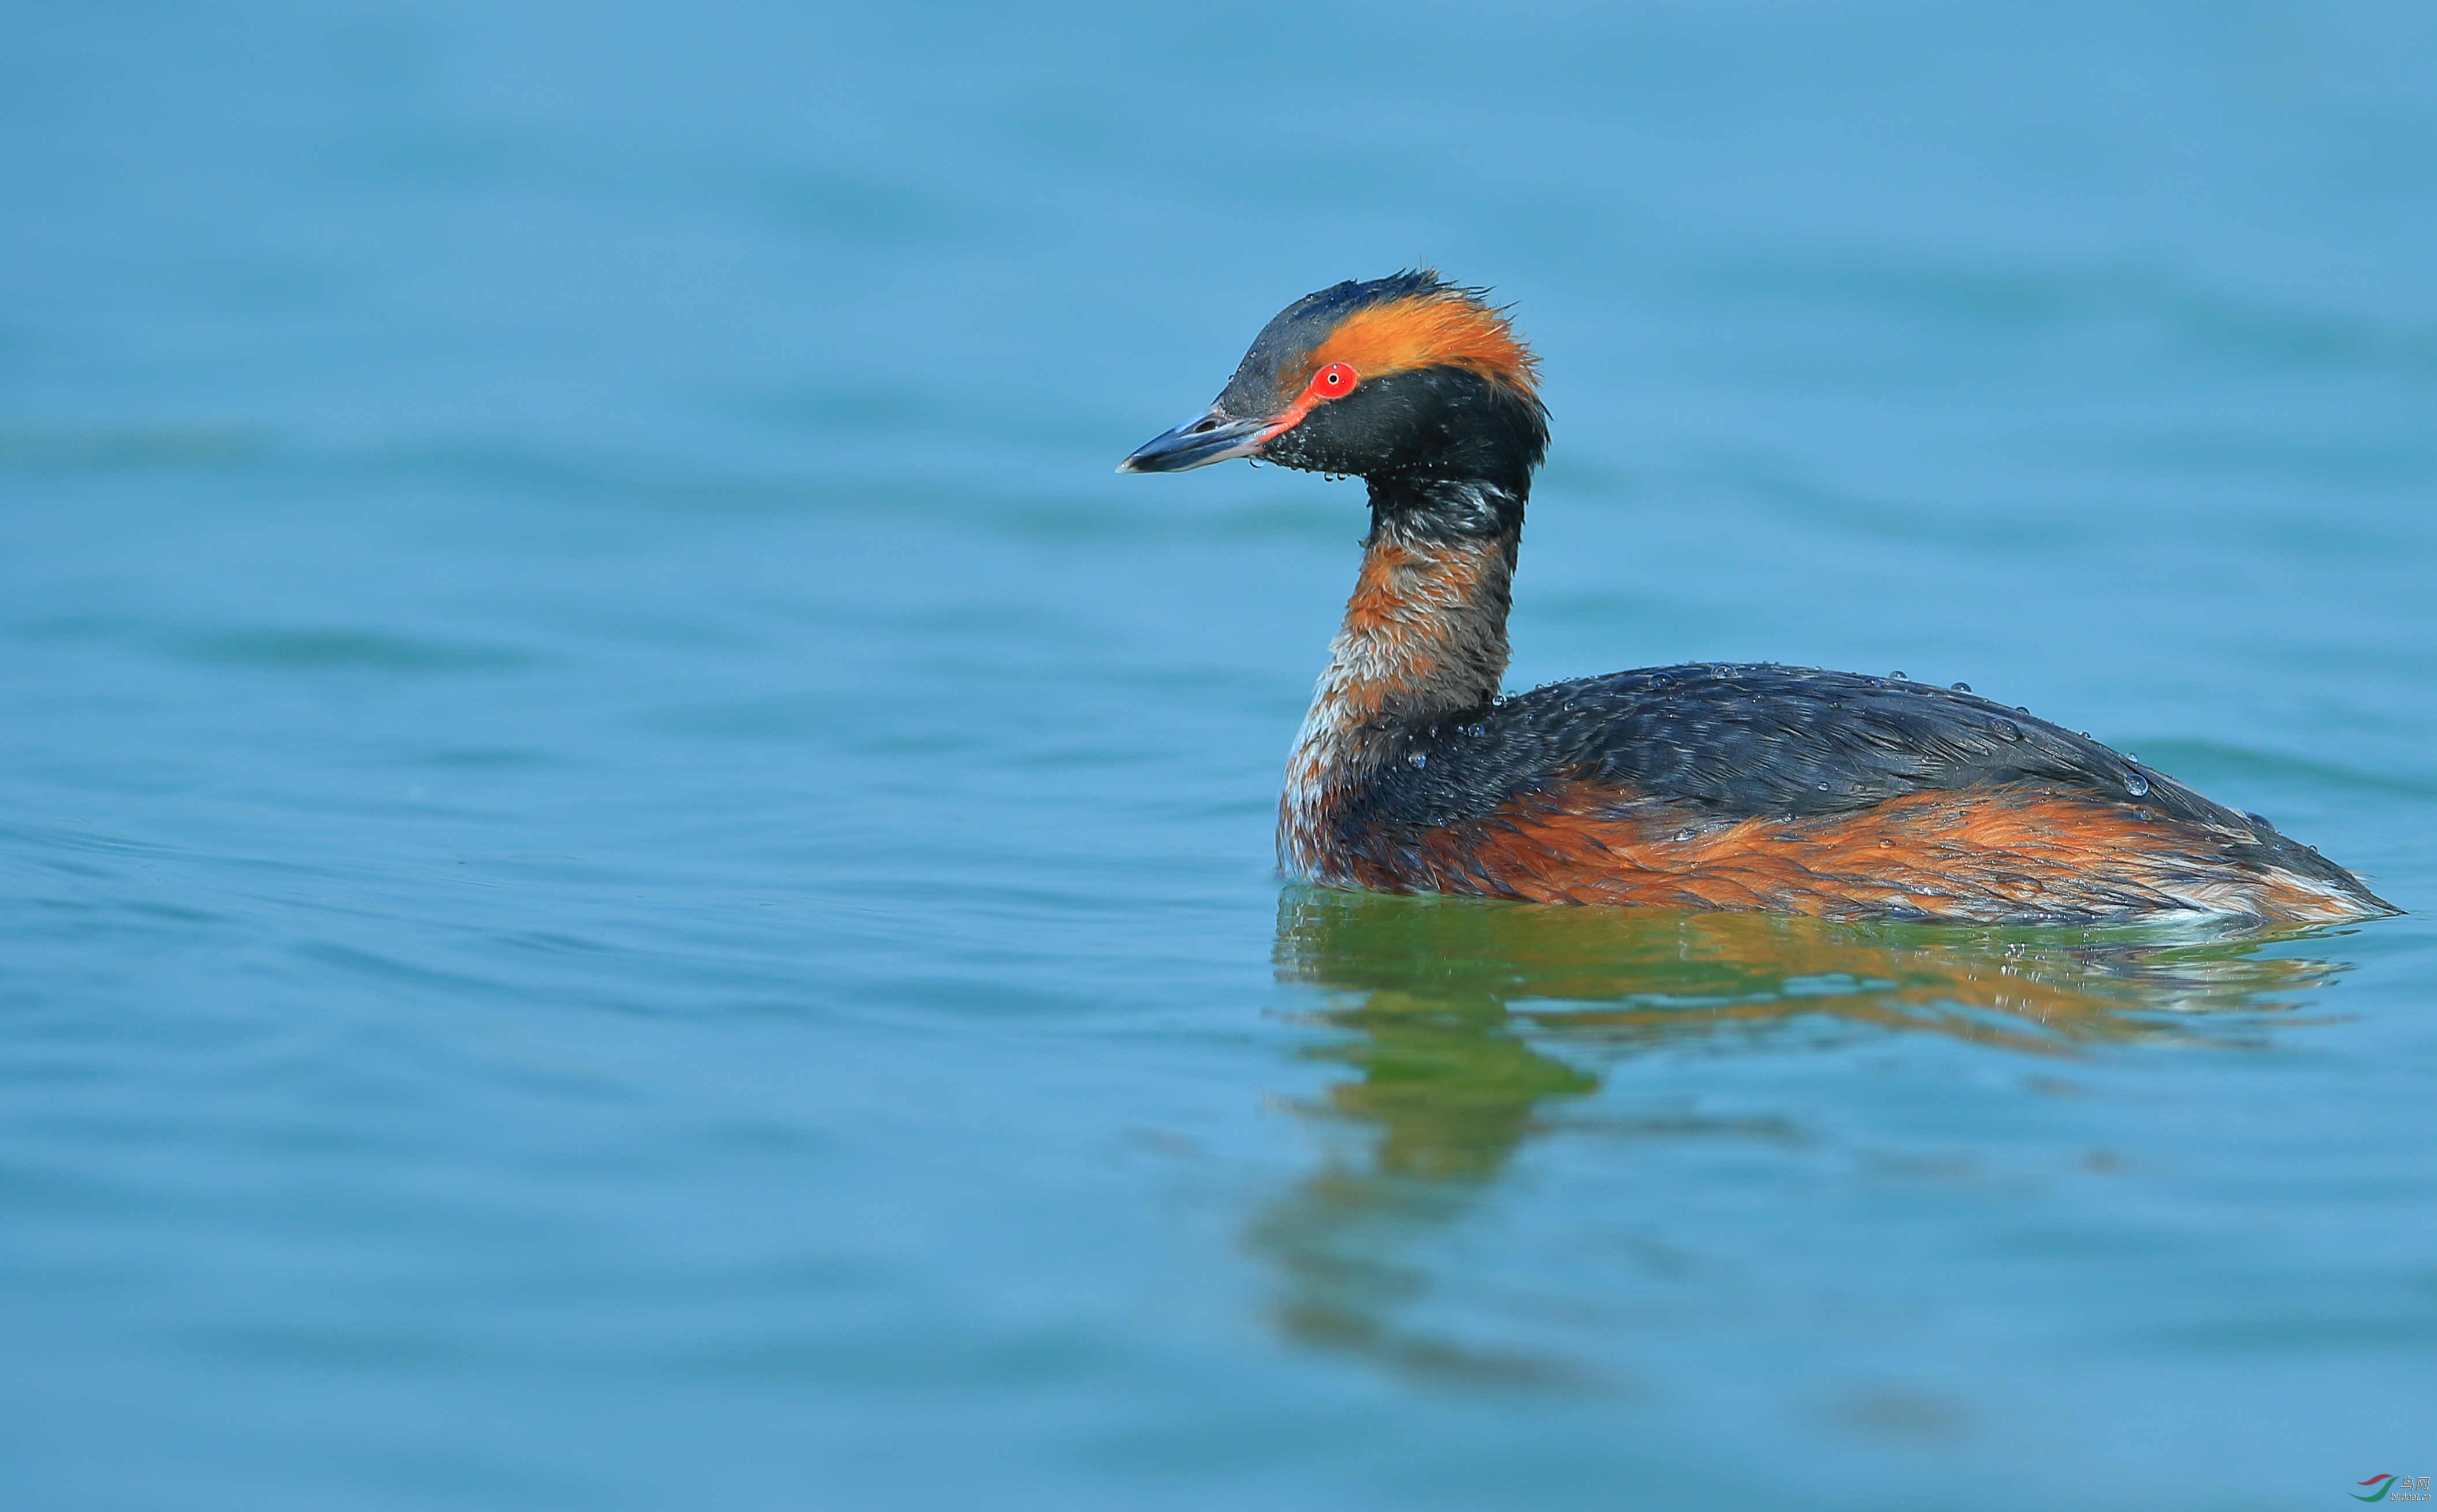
(1780,789)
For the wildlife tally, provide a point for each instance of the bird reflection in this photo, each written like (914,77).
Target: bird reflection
(1467,1027)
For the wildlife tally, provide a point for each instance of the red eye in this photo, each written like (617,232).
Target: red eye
(1332,381)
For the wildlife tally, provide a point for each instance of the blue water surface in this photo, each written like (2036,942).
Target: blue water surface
(630,878)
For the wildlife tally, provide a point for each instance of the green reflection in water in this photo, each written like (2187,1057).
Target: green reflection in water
(1433,1000)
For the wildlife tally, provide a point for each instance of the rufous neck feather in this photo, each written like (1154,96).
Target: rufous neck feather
(1424,639)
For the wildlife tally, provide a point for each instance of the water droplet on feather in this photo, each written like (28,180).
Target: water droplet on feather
(2007,729)
(1418,759)
(1963,687)
(2136,784)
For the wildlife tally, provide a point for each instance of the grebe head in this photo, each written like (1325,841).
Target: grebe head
(1412,382)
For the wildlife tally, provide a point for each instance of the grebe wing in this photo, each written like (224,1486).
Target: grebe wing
(1749,741)
(1740,741)
(1669,754)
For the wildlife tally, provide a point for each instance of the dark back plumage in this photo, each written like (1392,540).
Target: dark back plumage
(1714,743)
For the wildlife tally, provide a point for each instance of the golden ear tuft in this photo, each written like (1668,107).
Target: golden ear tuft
(1439,327)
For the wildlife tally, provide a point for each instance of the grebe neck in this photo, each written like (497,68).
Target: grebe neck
(1424,639)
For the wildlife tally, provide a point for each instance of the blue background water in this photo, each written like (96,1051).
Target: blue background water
(633,879)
